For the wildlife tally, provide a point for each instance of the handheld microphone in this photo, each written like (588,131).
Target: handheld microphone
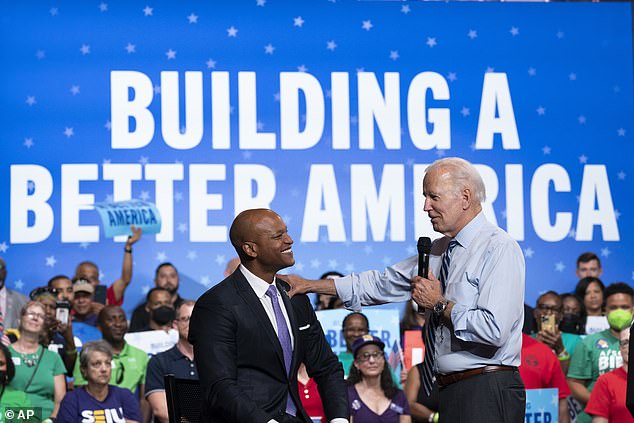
(424,249)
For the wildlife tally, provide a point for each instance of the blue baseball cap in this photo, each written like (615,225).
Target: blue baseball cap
(364,340)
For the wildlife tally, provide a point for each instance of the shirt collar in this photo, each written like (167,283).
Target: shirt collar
(124,351)
(471,229)
(260,286)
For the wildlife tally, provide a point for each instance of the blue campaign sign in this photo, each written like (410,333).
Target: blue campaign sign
(542,405)
(327,112)
(117,217)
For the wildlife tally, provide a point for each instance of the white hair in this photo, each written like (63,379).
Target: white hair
(463,175)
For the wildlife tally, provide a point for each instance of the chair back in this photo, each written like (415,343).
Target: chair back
(184,399)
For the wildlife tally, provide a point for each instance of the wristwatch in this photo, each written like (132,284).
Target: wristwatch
(440,307)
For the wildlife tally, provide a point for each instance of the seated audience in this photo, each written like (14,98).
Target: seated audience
(129,363)
(353,326)
(372,394)
(540,369)
(97,400)
(178,361)
(166,277)
(600,353)
(160,310)
(607,400)
(11,302)
(574,314)
(424,408)
(548,312)
(85,310)
(114,293)
(9,396)
(57,337)
(38,372)
(591,291)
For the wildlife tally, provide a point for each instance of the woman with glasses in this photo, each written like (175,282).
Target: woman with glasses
(97,400)
(38,372)
(372,395)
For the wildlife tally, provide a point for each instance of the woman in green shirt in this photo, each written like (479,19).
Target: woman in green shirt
(9,397)
(38,372)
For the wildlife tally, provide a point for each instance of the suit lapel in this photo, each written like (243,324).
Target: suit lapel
(253,303)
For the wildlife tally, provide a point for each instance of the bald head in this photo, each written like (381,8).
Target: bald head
(261,240)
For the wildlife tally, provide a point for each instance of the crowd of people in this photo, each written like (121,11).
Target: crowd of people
(65,353)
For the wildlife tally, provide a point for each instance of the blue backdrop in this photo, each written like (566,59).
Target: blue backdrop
(325,111)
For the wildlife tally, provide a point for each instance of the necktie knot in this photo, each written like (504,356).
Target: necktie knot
(271,292)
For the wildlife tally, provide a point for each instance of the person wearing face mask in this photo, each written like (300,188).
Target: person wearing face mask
(166,277)
(574,314)
(600,353)
(160,310)
(9,396)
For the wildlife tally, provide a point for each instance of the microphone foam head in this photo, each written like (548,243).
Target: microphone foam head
(424,245)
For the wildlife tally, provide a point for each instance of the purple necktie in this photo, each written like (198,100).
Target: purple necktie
(285,341)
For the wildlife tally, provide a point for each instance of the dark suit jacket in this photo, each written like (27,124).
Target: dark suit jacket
(240,360)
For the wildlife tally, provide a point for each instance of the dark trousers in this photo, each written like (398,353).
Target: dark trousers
(498,397)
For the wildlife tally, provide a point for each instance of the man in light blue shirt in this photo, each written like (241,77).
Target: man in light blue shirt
(479,314)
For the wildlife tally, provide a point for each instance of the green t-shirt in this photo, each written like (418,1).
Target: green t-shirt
(128,368)
(16,401)
(595,355)
(41,391)
(570,341)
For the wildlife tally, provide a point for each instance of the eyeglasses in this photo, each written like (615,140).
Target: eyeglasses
(546,307)
(184,319)
(366,356)
(34,315)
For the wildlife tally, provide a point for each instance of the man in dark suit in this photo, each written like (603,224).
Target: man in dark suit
(250,337)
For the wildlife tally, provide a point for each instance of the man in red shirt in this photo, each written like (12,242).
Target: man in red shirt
(540,369)
(607,399)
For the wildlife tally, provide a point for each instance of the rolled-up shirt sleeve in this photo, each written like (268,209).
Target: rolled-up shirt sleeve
(373,287)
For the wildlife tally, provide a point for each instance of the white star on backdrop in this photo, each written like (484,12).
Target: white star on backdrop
(144,196)
(405,9)
(269,49)
(560,266)
(605,252)
(621,175)
(108,125)
(368,249)
(161,256)
(489,69)
(331,45)
(560,34)
(532,71)
(302,68)
(473,34)
(182,227)
(148,11)
(367,25)
(157,89)
(69,132)
(572,76)
(28,142)
(18,284)
(546,150)
(74,90)
(145,289)
(452,76)
(299,266)
(232,31)
(40,54)
(528,252)
(84,245)
(204,280)
(144,160)
(130,48)
(192,255)
(260,3)
(514,31)
(541,110)
(332,264)
(394,54)
(85,49)
(583,159)
(50,261)
(220,259)
(30,100)
(53,11)
(211,64)
(178,196)
(431,41)
(192,18)
(103,7)
(171,54)
(581,119)
(465,111)
(3,247)
(620,132)
(315,263)
(298,22)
